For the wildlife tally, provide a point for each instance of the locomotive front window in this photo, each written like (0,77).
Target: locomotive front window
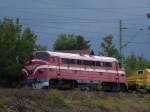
(43,56)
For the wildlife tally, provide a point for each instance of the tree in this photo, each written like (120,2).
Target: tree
(81,43)
(71,42)
(133,63)
(108,48)
(16,44)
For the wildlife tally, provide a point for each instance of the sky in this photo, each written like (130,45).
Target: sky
(94,19)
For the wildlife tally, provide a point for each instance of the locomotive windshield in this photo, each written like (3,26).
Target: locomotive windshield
(40,55)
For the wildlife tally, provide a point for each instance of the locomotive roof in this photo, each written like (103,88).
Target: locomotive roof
(82,57)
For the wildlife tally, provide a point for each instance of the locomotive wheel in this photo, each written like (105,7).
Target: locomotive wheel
(123,87)
(110,87)
(107,87)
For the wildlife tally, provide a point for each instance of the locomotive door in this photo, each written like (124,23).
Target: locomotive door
(117,76)
(55,66)
(58,71)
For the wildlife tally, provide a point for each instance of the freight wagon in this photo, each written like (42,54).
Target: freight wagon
(140,79)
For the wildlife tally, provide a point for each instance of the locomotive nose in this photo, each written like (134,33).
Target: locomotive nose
(30,67)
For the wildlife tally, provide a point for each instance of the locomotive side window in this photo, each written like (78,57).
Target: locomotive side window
(98,63)
(107,64)
(68,61)
(72,61)
(90,63)
(104,64)
(79,62)
(86,62)
(65,61)
(41,55)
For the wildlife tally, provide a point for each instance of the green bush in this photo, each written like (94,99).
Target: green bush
(55,98)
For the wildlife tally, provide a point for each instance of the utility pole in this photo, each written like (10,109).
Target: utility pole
(120,40)
(121,45)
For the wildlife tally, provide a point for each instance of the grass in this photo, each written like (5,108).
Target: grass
(25,100)
(55,98)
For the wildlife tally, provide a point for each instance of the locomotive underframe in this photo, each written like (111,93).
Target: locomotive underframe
(72,84)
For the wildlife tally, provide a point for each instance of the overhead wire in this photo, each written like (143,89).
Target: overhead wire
(76,8)
(64,28)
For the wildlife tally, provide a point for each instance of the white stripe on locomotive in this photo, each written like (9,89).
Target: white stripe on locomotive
(78,69)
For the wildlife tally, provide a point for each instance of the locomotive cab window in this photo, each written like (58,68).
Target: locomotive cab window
(140,72)
(40,55)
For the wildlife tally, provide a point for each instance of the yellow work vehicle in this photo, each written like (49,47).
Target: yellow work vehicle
(139,80)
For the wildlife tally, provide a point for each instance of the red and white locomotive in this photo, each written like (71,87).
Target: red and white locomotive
(56,69)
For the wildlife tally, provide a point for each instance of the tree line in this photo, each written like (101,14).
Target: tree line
(107,47)
(17,43)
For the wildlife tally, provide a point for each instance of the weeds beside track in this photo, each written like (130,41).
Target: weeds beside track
(27,100)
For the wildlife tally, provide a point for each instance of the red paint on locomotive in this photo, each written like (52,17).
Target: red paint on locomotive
(45,66)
